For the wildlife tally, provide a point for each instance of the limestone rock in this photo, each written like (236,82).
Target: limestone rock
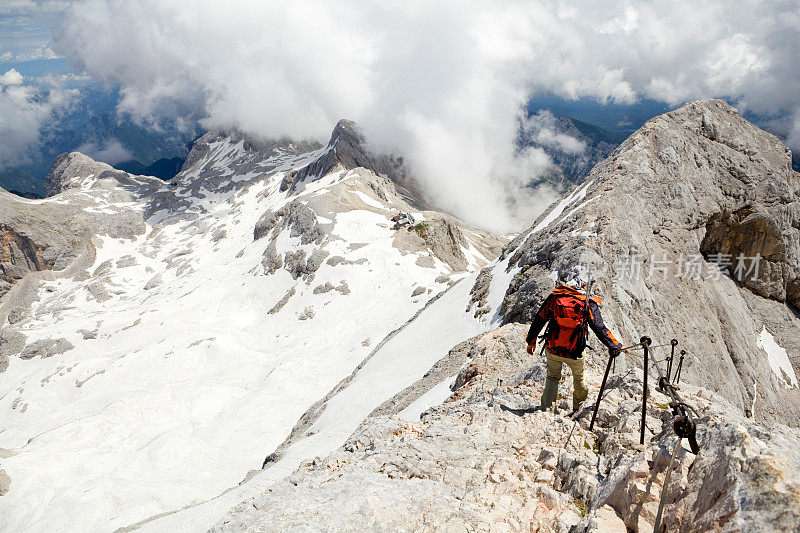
(445,240)
(46,348)
(536,470)
(5,482)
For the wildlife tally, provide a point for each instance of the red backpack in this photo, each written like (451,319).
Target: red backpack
(567,335)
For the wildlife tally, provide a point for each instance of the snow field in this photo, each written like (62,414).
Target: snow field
(188,385)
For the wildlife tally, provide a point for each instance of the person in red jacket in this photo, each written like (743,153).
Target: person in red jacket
(569,318)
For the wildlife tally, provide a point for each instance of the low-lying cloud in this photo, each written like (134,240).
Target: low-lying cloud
(24,110)
(543,128)
(443,82)
(111,151)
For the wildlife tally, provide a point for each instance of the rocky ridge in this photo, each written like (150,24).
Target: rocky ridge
(475,464)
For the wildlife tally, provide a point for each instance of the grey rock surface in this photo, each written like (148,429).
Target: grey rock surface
(46,348)
(493,468)
(445,240)
(56,233)
(153,282)
(11,342)
(282,302)
(5,482)
(296,217)
(347,149)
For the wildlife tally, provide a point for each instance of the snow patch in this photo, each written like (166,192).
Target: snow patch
(438,394)
(778,359)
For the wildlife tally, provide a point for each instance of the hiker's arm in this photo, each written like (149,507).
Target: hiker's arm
(539,320)
(600,329)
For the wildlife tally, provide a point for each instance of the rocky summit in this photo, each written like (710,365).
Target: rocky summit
(261,345)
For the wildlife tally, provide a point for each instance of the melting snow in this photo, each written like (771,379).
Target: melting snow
(369,200)
(577,194)
(438,394)
(778,359)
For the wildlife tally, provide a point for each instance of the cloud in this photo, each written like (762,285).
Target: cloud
(443,82)
(23,112)
(11,77)
(543,129)
(6,56)
(111,152)
(26,7)
(40,52)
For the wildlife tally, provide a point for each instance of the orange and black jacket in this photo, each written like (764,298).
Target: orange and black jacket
(595,319)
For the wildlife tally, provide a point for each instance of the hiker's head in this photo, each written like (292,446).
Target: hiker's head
(576,277)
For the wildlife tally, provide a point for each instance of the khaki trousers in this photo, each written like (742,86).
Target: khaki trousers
(581,389)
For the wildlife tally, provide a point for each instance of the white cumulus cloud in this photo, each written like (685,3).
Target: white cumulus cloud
(11,77)
(441,81)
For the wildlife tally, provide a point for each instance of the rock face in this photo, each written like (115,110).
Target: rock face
(67,166)
(446,241)
(295,216)
(347,149)
(473,463)
(662,224)
(46,348)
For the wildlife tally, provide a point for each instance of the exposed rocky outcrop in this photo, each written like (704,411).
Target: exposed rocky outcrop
(297,218)
(55,234)
(692,188)
(69,166)
(46,348)
(445,240)
(282,302)
(20,255)
(5,482)
(347,149)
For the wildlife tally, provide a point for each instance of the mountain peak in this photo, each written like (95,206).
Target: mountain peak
(67,167)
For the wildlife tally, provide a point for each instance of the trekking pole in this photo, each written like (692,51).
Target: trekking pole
(646,341)
(674,343)
(613,353)
(680,364)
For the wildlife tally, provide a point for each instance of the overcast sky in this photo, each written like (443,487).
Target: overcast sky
(442,81)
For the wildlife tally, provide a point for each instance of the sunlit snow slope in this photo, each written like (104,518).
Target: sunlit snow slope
(256,286)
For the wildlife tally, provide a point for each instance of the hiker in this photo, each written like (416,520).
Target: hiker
(565,338)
